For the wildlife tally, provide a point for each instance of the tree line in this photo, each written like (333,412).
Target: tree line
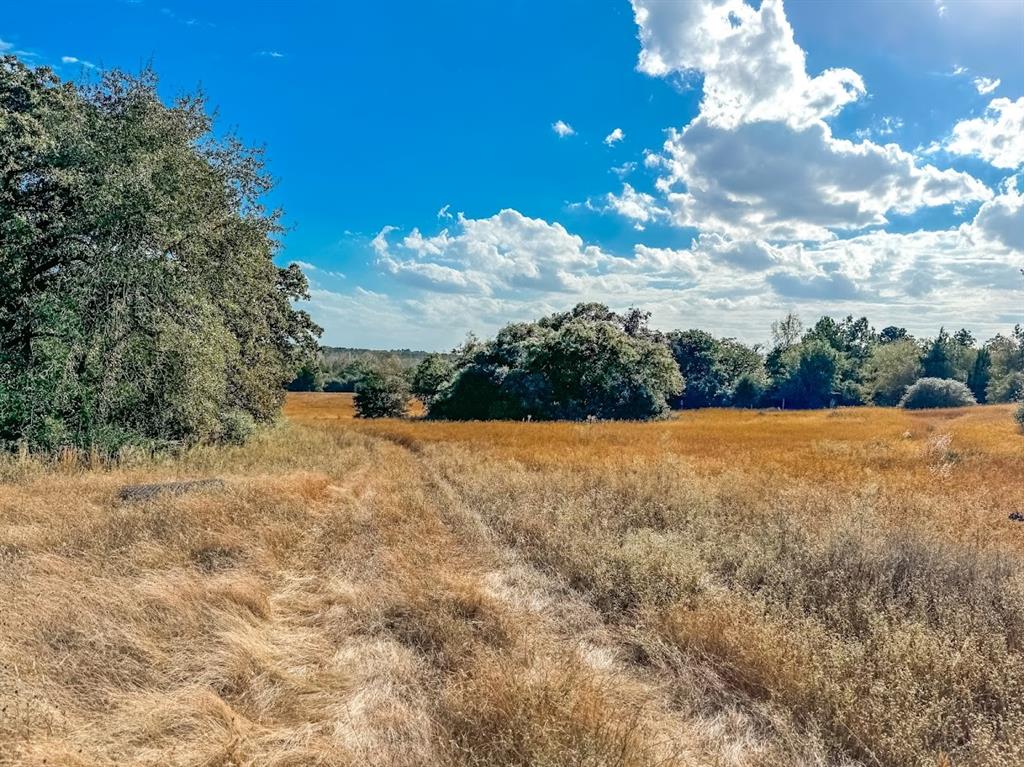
(592,362)
(342,368)
(140,303)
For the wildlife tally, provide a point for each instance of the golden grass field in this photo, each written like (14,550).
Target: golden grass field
(722,588)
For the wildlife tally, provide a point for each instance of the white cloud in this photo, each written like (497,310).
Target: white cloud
(986,85)
(830,285)
(778,200)
(940,8)
(305,265)
(639,207)
(444,214)
(504,253)
(615,135)
(272,54)
(890,125)
(562,128)
(748,255)
(5,46)
(767,179)
(1000,221)
(76,60)
(624,170)
(759,160)
(510,255)
(753,69)
(483,273)
(884,127)
(997,137)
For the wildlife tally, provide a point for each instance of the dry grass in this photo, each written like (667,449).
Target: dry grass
(725,588)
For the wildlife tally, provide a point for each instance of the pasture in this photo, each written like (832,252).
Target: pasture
(726,587)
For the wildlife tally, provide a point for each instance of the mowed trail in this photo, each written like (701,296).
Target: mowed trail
(335,604)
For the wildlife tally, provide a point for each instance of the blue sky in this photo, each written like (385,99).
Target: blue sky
(819,156)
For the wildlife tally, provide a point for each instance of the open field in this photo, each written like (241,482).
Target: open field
(724,588)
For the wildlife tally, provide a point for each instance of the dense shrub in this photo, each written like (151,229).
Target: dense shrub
(382,395)
(588,362)
(237,426)
(1019,415)
(937,392)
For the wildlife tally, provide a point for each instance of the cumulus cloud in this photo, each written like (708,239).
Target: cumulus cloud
(639,207)
(481,273)
(1000,221)
(830,285)
(562,128)
(996,137)
(614,136)
(759,159)
(512,255)
(748,255)
(986,85)
(753,69)
(768,179)
(505,252)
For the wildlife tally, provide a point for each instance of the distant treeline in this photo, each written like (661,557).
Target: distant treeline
(341,369)
(593,362)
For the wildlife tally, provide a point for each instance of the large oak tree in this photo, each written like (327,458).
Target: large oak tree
(139,301)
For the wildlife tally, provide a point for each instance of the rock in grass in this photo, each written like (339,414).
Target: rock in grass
(139,493)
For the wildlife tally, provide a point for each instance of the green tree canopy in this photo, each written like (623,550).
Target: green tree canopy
(890,370)
(309,378)
(712,367)
(431,376)
(939,358)
(572,365)
(140,299)
(1007,365)
(382,394)
(808,375)
(980,375)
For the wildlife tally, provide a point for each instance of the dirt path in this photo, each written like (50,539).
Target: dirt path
(561,635)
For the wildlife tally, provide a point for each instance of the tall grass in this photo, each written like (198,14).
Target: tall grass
(720,589)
